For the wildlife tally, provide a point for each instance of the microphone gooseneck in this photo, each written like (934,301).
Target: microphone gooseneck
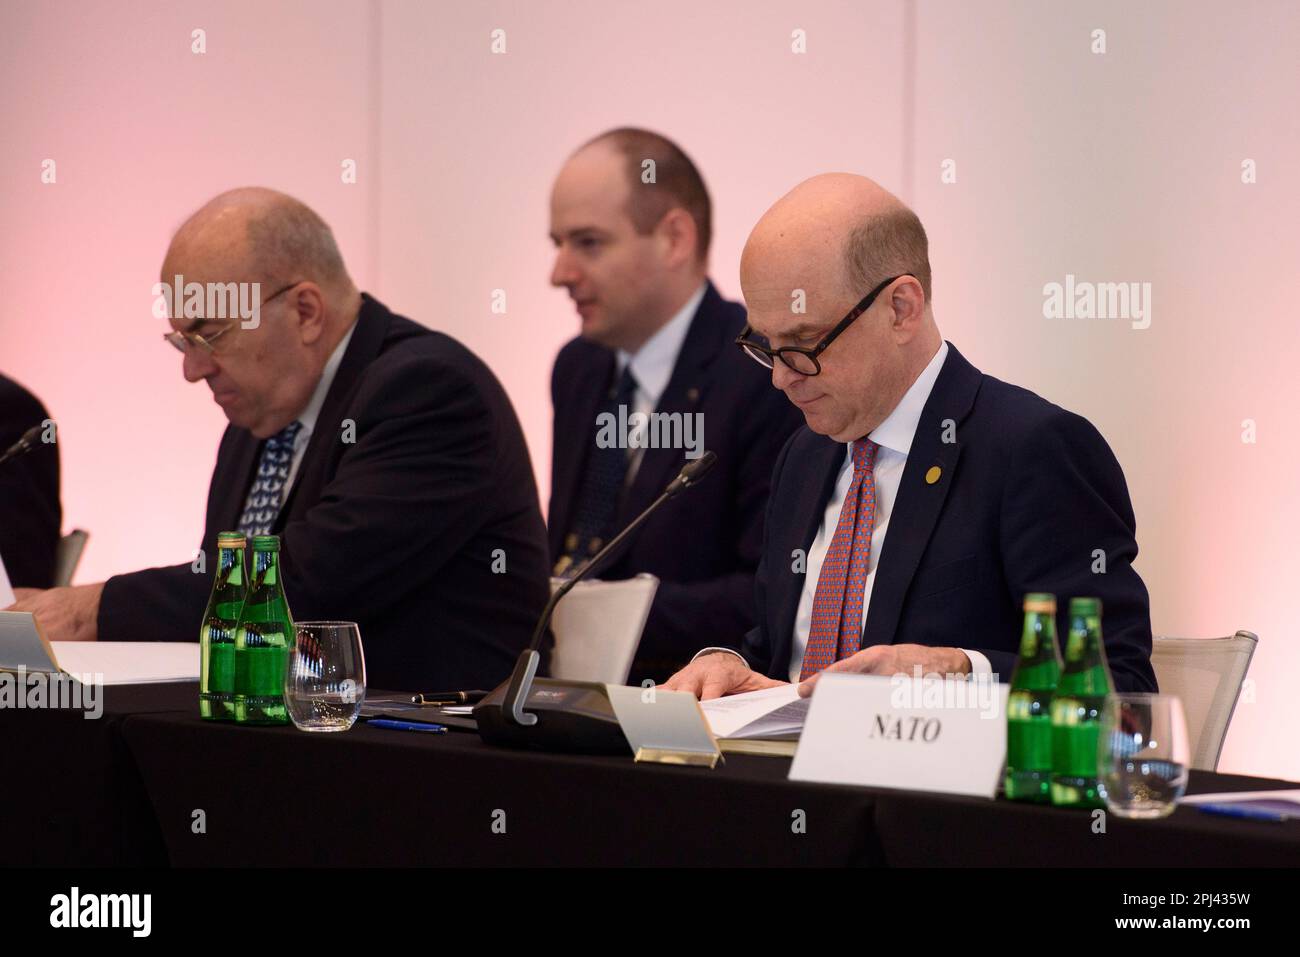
(28,441)
(690,475)
(521,680)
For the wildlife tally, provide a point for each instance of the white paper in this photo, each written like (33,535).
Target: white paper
(130,662)
(769,713)
(6,591)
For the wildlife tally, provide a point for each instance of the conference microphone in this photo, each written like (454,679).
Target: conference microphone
(29,441)
(567,715)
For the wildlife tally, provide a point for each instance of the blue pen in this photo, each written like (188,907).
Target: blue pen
(407,725)
(1254,814)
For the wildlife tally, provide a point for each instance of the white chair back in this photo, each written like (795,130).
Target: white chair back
(1206,673)
(597,627)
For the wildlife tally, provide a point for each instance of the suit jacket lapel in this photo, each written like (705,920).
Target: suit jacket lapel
(233,476)
(366,343)
(683,394)
(574,438)
(919,501)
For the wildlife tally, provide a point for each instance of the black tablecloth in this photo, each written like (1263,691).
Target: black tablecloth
(371,796)
(72,794)
(921,830)
(126,789)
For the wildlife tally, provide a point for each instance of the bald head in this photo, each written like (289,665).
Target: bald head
(818,251)
(840,228)
(263,372)
(263,235)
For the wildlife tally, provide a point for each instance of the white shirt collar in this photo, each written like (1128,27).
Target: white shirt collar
(312,412)
(898,429)
(652,365)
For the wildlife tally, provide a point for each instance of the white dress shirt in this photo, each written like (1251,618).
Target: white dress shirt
(894,436)
(653,364)
(311,413)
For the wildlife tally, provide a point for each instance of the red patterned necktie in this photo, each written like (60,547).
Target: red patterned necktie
(837,603)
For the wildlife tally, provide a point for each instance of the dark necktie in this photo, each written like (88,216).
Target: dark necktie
(267,493)
(602,483)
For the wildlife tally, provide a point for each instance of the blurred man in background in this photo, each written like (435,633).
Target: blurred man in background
(631,221)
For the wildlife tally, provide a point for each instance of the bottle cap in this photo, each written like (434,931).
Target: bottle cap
(230,540)
(1085,607)
(266,543)
(1036,601)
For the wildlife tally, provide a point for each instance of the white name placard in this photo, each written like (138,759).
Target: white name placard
(916,733)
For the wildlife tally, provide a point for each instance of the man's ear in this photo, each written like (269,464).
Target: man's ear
(678,231)
(308,310)
(908,302)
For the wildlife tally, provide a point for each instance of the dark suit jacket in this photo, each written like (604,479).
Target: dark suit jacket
(1026,493)
(398,530)
(704,544)
(30,514)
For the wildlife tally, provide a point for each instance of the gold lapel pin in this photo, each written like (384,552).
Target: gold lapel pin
(692,394)
(933,474)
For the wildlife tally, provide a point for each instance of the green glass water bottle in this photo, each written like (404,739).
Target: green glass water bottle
(1029,703)
(263,640)
(1077,706)
(217,634)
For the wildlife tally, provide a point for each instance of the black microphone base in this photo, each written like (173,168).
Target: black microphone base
(573,717)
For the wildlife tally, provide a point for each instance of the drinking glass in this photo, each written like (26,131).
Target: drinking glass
(325,683)
(1142,754)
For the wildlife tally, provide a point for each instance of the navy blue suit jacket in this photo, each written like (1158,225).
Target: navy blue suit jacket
(1027,494)
(704,544)
(423,524)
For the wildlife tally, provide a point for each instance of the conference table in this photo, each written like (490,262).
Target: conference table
(150,783)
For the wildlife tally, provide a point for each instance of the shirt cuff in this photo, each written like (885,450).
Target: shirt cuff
(979,665)
(731,651)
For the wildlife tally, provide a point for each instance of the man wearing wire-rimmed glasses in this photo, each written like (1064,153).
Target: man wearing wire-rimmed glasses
(386,456)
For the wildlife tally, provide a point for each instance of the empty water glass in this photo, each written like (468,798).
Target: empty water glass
(325,684)
(1142,754)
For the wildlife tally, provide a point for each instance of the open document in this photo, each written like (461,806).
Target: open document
(769,720)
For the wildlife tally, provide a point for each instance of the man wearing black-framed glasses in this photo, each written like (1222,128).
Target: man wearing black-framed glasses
(923,499)
(385,455)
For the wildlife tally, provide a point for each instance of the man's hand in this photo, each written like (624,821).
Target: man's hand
(896,659)
(717,674)
(65,614)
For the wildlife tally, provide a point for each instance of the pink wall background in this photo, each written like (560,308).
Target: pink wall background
(1124,166)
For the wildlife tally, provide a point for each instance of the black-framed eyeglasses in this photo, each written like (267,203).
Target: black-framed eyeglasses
(185,341)
(805,361)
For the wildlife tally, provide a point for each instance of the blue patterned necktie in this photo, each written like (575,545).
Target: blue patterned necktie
(264,498)
(602,486)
